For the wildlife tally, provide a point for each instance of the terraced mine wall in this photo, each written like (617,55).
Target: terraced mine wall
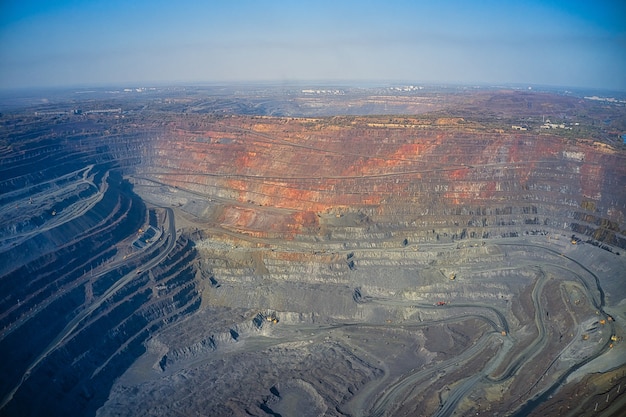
(437,181)
(359,229)
(69,329)
(341,240)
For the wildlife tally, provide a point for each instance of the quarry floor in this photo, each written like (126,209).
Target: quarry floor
(392,334)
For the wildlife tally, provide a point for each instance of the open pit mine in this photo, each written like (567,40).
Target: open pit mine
(193,252)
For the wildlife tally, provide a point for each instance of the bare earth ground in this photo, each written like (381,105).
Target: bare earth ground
(390,349)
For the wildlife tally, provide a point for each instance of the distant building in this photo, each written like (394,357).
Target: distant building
(118,110)
(548,125)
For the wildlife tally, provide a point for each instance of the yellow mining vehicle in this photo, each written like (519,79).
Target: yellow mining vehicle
(272,318)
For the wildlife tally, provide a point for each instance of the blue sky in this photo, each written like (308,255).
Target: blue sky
(93,43)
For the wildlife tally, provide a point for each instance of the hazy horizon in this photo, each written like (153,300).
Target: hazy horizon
(73,43)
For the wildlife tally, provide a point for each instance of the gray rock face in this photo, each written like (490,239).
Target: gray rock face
(284,266)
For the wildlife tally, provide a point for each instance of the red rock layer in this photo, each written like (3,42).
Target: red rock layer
(299,167)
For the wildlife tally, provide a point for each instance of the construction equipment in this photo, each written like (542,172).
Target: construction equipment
(272,318)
